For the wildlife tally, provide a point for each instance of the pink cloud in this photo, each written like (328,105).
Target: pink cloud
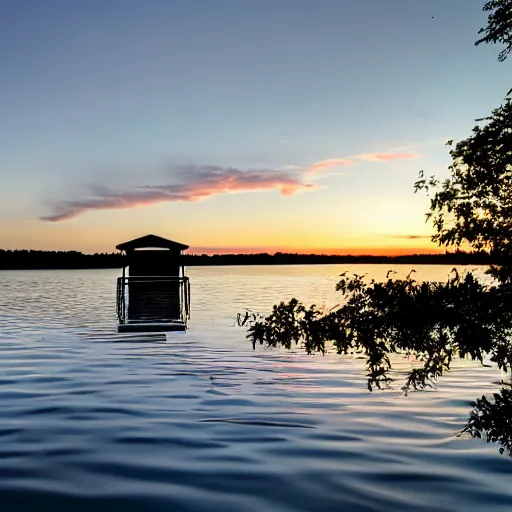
(194,183)
(327,164)
(387,157)
(323,165)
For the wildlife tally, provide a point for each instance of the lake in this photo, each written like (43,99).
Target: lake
(94,420)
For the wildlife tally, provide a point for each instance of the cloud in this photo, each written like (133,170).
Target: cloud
(406,147)
(387,157)
(323,165)
(193,183)
(292,167)
(412,237)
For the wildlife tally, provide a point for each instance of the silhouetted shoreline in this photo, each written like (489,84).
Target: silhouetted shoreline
(41,260)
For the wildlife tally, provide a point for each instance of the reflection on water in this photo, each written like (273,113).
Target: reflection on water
(94,420)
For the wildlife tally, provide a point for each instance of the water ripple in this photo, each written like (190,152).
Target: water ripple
(95,420)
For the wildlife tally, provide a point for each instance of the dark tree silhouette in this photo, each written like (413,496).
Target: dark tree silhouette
(23,259)
(493,420)
(30,259)
(474,205)
(499,26)
(463,316)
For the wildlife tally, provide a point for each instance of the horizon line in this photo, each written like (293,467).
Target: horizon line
(390,253)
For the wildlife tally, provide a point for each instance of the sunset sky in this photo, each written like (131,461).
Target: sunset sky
(232,125)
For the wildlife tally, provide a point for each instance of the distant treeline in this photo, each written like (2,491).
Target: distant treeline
(25,260)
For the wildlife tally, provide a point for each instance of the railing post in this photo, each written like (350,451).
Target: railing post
(169,295)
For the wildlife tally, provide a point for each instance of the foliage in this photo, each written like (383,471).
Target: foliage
(493,420)
(435,321)
(30,259)
(499,26)
(474,205)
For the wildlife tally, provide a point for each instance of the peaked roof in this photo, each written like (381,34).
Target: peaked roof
(151,241)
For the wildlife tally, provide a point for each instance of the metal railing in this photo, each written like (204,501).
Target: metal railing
(153,299)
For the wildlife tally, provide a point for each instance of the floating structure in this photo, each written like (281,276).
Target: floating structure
(154,295)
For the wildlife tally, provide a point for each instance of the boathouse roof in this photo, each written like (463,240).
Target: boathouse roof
(145,242)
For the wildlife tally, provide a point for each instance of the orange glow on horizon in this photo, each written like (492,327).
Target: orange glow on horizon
(89,236)
(353,251)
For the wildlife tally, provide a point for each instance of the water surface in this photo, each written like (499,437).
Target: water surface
(93,420)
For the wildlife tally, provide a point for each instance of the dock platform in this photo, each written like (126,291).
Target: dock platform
(152,326)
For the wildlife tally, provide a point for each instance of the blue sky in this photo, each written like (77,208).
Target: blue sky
(191,118)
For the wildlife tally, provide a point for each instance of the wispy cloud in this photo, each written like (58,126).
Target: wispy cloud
(292,167)
(412,237)
(387,157)
(193,183)
(323,165)
(405,147)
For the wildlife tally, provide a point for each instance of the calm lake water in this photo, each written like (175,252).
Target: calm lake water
(91,420)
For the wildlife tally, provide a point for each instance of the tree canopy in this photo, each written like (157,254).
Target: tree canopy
(435,321)
(473,206)
(499,26)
